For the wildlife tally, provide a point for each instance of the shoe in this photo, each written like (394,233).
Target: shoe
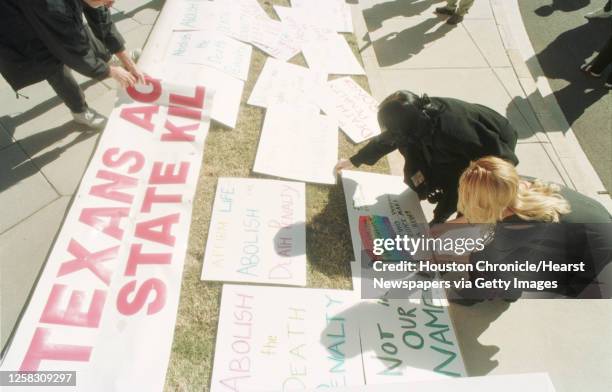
(90,118)
(455,19)
(608,85)
(445,11)
(586,68)
(600,14)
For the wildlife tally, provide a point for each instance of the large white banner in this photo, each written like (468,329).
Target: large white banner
(355,109)
(286,83)
(211,49)
(285,339)
(298,143)
(105,305)
(257,232)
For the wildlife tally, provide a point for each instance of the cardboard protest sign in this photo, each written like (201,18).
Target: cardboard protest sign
(371,194)
(275,38)
(406,340)
(527,382)
(285,83)
(211,49)
(110,287)
(354,109)
(332,55)
(298,143)
(333,14)
(275,338)
(257,232)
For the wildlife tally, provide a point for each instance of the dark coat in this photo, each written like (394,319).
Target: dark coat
(458,133)
(39,36)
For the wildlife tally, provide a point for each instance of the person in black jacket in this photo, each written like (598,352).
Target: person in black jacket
(438,137)
(42,39)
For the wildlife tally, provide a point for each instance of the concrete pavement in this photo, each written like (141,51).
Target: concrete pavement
(404,45)
(43,155)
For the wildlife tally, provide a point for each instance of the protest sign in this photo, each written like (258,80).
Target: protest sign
(354,109)
(406,340)
(527,382)
(371,194)
(298,143)
(333,14)
(275,38)
(257,232)
(276,338)
(332,55)
(229,19)
(211,49)
(110,287)
(285,83)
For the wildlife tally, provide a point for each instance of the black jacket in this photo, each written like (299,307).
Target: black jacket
(39,36)
(460,132)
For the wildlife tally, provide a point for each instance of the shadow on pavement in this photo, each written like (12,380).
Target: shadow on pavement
(562,59)
(120,15)
(377,14)
(561,5)
(394,48)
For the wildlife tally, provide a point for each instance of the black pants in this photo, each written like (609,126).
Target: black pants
(67,88)
(603,59)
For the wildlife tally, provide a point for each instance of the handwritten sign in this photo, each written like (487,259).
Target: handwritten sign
(257,232)
(275,338)
(526,382)
(354,109)
(406,340)
(211,49)
(332,55)
(275,38)
(298,143)
(285,83)
(110,287)
(229,19)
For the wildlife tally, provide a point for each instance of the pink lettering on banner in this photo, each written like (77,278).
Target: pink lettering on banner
(179,134)
(165,173)
(197,101)
(72,315)
(145,97)
(111,189)
(144,230)
(152,197)
(108,158)
(137,257)
(129,308)
(105,220)
(41,348)
(91,261)
(141,116)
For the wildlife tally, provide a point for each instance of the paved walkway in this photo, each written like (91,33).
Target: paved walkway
(43,156)
(404,45)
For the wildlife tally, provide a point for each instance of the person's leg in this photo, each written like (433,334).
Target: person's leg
(449,8)
(464,7)
(67,88)
(603,59)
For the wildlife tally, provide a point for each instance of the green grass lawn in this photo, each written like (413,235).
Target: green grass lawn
(231,153)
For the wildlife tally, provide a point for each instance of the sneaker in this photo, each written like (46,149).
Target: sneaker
(608,85)
(455,19)
(445,11)
(600,14)
(90,118)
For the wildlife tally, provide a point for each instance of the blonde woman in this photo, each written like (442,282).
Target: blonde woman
(530,220)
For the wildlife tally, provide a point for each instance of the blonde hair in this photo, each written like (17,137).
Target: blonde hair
(491,185)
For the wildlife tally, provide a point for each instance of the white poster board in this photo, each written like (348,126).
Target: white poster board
(333,14)
(354,109)
(211,49)
(285,83)
(275,338)
(106,302)
(527,382)
(381,195)
(257,232)
(274,38)
(298,143)
(405,340)
(229,19)
(332,55)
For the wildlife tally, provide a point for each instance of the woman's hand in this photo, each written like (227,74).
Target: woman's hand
(128,63)
(123,77)
(342,165)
